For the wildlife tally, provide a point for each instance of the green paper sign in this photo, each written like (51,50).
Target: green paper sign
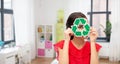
(80,27)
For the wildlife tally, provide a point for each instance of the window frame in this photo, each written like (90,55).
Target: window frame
(107,12)
(6,11)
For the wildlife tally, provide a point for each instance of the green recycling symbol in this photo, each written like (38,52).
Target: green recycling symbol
(80,27)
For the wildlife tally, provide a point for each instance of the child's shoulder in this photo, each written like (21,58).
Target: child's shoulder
(97,45)
(87,42)
(59,43)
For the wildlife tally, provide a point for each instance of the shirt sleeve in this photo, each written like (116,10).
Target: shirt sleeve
(98,47)
(58,45)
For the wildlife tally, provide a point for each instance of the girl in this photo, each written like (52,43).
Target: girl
(75,50)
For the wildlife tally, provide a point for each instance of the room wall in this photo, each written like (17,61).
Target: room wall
(29,14)
(115,36)
(46,14)
(24,24)
(46,11)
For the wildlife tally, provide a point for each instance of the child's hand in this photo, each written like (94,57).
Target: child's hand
(93,34)
(68,33)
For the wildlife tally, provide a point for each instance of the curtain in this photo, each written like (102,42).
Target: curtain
(115,35)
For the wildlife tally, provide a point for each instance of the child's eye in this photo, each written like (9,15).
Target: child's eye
(80,26)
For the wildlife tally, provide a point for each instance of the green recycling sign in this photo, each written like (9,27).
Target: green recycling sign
(80,27)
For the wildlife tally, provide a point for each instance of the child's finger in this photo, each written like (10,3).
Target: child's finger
(70,31)
(93,31)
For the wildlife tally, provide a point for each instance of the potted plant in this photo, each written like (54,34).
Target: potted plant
(107,30)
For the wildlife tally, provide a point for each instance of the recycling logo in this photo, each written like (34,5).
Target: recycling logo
(80,27)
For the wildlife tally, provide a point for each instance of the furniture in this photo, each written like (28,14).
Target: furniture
(45,40)
(24,54)
(20,54)
(8,55)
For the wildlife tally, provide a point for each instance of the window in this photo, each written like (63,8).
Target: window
(99,14)
(7,32)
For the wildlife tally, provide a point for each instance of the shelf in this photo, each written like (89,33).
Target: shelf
(45,41)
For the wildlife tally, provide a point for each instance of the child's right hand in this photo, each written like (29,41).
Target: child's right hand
(68,33)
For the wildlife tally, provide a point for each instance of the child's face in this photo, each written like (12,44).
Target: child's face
(80,27)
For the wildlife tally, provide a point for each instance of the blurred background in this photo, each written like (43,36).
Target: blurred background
(30,28)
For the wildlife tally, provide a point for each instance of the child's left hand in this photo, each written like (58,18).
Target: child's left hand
(93,34)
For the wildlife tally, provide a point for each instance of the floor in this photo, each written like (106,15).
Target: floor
(42,61)
(49,60)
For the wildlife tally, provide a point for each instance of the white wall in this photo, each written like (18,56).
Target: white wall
(30,13)
(24,23)
(77,6)
(115,36)
(46,12)
(104,51)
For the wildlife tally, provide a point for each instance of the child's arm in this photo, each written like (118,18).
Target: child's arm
(63,53)
(94,53)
